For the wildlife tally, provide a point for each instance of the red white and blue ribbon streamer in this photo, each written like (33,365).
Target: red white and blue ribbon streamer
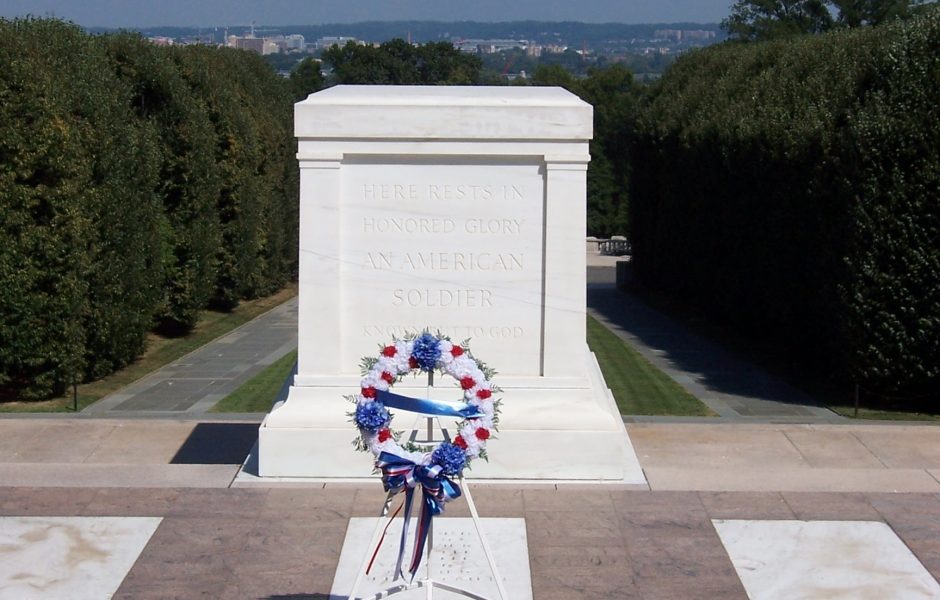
(402,475)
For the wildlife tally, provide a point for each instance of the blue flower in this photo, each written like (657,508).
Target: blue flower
(371,416)
(452,458)
(426,351)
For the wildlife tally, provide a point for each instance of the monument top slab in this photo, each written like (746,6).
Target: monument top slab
(443,112)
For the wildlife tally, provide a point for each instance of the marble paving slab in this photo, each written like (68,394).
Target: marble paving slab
(457,559)
(831,560)
(77,558)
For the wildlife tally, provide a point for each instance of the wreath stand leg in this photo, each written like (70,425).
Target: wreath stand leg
(428,582)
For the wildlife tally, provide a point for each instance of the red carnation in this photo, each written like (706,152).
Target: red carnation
(384,435)
(388,377)
(460,443)
(412,362)
(482,434)
(484,394)
(368,392)
(456,351)
(467,383)
(389,351)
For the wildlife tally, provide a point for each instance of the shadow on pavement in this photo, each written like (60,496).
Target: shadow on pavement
(717,369)
(217,444)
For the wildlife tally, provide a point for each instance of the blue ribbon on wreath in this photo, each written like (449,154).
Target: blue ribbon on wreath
(427,406)
(402,475)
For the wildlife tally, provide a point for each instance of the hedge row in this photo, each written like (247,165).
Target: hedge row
(138,185)
(792,190)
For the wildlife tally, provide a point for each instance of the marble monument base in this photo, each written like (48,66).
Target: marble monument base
(550,429)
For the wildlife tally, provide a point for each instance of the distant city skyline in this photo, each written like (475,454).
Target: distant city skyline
(211,13)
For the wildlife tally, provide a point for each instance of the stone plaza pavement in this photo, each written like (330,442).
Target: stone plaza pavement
(585,541)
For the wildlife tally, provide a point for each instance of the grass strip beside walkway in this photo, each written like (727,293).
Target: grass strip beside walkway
(258,394)
(160,351)
(639,387)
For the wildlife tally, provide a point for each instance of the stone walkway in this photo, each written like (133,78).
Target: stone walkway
(193,384)
(731,386)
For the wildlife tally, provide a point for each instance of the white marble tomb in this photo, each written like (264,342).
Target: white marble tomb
(460,210)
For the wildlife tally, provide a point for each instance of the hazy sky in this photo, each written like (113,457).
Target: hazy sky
(147,13)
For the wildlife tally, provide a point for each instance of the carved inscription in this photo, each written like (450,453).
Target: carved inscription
(439,192)
(443,298)
(457,332)
(438,232)
(444,261)
(373,225)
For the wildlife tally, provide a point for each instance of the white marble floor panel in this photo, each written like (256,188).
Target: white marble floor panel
(457,559)
(74,558)
(824,560)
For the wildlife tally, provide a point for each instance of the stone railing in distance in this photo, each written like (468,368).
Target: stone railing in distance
(615,246)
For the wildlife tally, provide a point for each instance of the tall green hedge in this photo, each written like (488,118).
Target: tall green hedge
(792,190)
(251,111)
(123,203)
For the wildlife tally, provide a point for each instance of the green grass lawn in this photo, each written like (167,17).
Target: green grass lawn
(257,395)
(160,351)
(638,387)
(899,414)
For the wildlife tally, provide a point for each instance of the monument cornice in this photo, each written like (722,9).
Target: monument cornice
(436,113)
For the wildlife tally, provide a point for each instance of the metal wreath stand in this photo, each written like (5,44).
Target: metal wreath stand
(428,582)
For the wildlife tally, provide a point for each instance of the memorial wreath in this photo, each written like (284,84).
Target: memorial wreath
(407,466)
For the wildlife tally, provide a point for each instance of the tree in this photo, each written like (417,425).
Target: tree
(754,20)
(306,78)
(856,13)
(397,62)
(611,92)
(549,75)
(189,181)
(80,266)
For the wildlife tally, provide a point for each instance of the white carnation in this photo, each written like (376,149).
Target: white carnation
(469,434)
(389,364)
(446,346)
(374,380)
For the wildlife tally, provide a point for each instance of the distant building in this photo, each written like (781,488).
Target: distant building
(327,42)
(472,46)
(698,35)
(250,43)
(295,43)
(270,47)
(668,34)
(684,35)
(161,41)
